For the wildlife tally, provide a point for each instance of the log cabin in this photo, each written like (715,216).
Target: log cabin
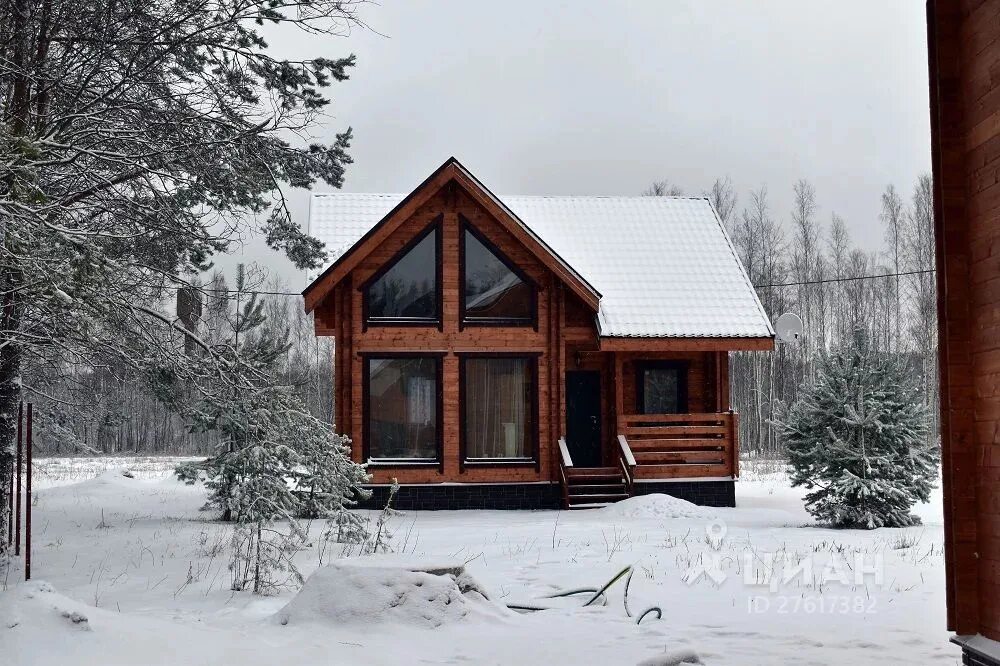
(533,352)
(963,40)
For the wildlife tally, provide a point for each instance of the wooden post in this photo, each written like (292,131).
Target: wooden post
(27,506)
(17,472)
(734,441)
(619,394)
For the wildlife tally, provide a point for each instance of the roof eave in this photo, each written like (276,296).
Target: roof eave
(687,343)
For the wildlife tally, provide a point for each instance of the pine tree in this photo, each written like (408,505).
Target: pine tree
(857,439)
(137,141)
(274,460)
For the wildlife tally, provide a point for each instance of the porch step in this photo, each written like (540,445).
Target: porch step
(590,471)
(575,500)
(596,488)
(594,501)
(593,487)
(595,479)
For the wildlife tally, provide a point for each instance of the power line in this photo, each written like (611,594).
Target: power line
(248,292)
(845,279)
(756,286)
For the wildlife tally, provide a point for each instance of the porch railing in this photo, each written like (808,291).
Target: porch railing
(627,462)
(673,446)
(565,463)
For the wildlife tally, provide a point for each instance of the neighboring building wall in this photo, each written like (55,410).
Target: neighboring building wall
(964,58)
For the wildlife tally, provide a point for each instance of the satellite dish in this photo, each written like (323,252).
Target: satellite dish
(788,328)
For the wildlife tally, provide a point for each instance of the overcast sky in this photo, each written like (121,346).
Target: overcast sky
(587,97)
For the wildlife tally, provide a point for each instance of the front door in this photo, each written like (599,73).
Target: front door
(583,417)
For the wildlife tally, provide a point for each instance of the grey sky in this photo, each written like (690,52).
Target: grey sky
(591,97)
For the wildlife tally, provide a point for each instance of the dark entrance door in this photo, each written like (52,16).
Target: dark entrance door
(583,417)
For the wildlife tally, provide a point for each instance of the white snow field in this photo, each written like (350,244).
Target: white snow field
(129,571)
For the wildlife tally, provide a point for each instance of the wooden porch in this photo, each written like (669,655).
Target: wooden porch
(655,447)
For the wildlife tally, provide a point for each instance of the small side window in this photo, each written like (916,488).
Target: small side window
(661,387)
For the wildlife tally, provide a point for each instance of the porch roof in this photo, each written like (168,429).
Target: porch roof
(664,266)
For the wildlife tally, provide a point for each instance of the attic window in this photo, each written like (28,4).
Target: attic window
(495,292)
(407,291)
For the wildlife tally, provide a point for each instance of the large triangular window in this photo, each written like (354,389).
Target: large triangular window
(494,291)
(407,290)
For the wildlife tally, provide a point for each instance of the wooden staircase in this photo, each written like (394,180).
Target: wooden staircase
(593,487)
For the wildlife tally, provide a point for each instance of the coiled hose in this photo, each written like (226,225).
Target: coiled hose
(598,596)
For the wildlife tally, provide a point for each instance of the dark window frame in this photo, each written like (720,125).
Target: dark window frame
(682,368)
(535,459)
(463,318)
(366,358)
(421,322)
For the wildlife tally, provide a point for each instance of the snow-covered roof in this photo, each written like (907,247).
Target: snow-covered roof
(664,266)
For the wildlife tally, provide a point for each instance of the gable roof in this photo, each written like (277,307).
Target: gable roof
(353,252)
(664,266)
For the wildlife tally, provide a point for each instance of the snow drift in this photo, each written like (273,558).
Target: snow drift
(657,506)
(384,590)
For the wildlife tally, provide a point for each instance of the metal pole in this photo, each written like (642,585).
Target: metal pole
(27,508)
(17,472)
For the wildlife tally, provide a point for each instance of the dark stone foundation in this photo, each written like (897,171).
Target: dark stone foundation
(705,493)
(441,496)
(532,496)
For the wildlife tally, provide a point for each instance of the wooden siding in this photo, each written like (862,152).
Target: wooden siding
(701,392)
(341,314)
(964,64)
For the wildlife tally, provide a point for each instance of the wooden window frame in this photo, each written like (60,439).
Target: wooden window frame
(683,368)
(463,319)
(420,322)
(404,463)
(534,460)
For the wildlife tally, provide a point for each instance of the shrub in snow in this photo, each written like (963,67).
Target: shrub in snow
(858,439)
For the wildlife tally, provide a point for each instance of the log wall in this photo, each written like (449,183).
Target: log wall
(964,65)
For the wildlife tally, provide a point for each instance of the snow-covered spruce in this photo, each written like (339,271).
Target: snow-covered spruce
(858,440)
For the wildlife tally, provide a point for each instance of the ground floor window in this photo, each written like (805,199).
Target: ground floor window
(661,387)
(499,407)
(403,407)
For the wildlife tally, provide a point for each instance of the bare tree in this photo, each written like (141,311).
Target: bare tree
(662,188)
(838,253)
(805,255)
(922,316)
(893,217)
(722,196)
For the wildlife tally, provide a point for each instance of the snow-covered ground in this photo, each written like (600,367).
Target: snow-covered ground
(134,574)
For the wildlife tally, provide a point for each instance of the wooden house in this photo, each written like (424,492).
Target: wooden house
(533,352)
